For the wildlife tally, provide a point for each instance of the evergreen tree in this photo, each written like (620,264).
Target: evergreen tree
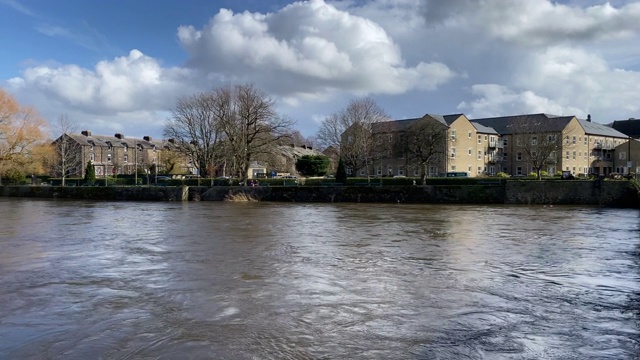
(312,165)
(90,173)
(341,173)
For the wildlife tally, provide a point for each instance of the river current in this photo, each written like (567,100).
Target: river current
(218,280)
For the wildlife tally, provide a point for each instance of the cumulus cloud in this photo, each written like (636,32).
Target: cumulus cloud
(497,100)
(485,58)
(562,81)
(128,83)
(537,22)
(308,48)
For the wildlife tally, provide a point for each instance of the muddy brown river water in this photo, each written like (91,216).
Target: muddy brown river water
(213,280)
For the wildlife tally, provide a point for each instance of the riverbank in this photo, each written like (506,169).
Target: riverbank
(546,192)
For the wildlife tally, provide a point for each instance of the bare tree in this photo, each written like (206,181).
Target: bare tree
(540,142)
(424,144)
(67,151)
(195,127)
(252,128)
(352,130)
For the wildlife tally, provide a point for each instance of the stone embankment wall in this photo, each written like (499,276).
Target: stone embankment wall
(607,193)
(98,192)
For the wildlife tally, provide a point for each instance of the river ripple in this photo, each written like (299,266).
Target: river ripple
(131,280)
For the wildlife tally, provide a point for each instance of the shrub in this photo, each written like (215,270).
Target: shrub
(502,174)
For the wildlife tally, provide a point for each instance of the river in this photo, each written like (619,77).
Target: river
(218,280)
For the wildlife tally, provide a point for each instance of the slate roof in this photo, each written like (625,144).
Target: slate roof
(105,141)
(484,129)
(505,125)
(592,128)
(404,124)
(630,127)
(545,122)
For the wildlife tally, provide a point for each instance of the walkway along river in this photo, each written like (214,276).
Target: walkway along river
(222,280)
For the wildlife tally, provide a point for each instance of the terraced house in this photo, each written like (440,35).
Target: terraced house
(113,155)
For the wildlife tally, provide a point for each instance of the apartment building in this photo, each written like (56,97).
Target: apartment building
(435,144)
(555,143)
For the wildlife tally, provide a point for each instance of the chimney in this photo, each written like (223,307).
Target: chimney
(309,147)
(173,141)
(86,133)
(119,136)
(147,138)
(589,118)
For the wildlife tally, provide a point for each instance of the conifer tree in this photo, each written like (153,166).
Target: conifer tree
(90,173)
(341,173)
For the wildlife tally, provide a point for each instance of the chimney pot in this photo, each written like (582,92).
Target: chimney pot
(147,138)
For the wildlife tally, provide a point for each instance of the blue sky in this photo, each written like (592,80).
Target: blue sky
(119,66)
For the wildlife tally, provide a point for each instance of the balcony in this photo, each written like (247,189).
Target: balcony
(495,159)
(496,144)
(605,146)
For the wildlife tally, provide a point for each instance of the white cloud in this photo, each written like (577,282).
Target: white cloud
(308,48)
(486,58)
(496,100)
(129,83)
(537,22)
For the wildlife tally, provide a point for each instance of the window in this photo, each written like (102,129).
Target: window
(453,135)
(470,151)
(519,141)
(574,155)
(362,172)
(126,157)
(479,154)
(519,170)
(126,148)
(534,140)
(574,140)
(519,156)
(622,155)
(400,171)
(505,142)
(551,138)
(586,141)
(109,157)
(379,170)
(389,169)
(504,155)
(567,155)
(349,170)
(470,134)
(470,168)
(453,152)
(479,139)
(479,169)
(453,168)
(485,138)
(415,172)
(92,157)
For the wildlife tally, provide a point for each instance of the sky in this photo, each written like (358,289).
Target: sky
(119,66)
